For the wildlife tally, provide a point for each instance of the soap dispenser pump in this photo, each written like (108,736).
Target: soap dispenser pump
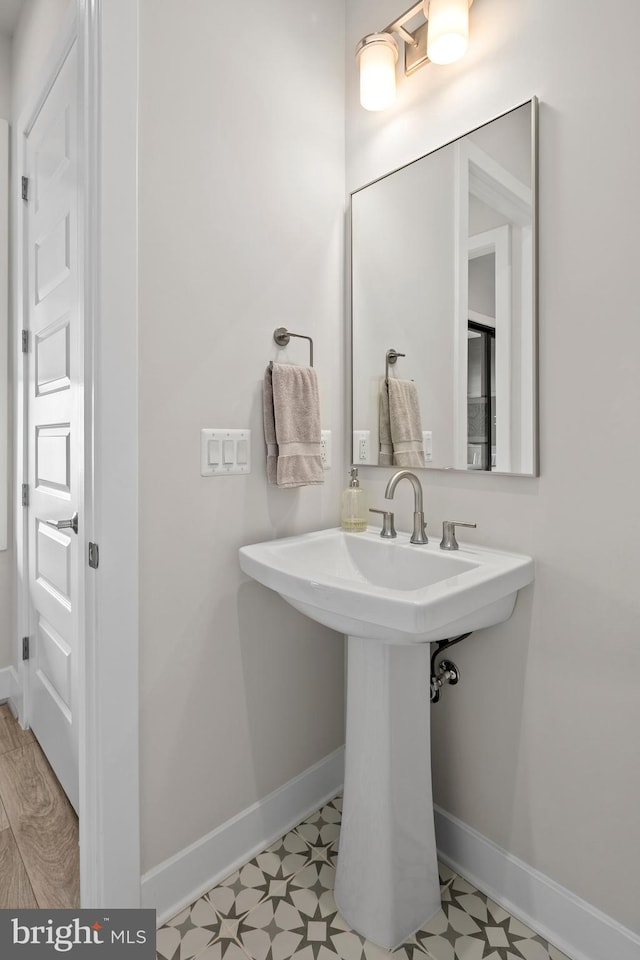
(354,507)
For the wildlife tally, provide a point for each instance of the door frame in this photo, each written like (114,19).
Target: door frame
(498,242)
(479,175)
(106,32)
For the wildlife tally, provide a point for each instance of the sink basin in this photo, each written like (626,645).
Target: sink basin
(391,598)
(389,590)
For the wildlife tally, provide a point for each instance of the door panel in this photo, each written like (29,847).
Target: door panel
(53,256)
(52,162)
(54,423)
(53,566)
(51,348)
(54,664)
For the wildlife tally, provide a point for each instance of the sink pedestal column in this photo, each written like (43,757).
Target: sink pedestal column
(387,883)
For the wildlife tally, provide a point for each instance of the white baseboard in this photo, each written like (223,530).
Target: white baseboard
(183,878)
(8,684)
(569,923)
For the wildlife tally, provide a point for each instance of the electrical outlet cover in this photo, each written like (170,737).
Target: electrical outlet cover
(325,448)
(362,446)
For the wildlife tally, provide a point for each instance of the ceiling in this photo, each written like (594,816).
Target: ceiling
(9,14)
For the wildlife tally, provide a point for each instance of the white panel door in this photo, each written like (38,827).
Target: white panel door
(54,423)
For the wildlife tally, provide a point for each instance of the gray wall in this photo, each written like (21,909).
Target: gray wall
(537,748)
(241,231)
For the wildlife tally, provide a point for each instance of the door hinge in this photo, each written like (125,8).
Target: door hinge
(94,555)
(25,648)
(25,494)
(25,341)
(25,188)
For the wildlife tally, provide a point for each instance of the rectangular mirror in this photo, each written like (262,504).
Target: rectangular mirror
(444,301)
(4,330)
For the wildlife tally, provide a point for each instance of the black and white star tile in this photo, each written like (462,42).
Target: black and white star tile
(280,905)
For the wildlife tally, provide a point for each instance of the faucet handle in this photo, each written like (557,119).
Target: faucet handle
(449,541)
(388,530)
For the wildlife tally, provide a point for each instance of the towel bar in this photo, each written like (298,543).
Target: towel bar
(390,358)
(282,336)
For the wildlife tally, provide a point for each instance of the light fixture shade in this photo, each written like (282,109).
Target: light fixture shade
(448,32)
(377,56)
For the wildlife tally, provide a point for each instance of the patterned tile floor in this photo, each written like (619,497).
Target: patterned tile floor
(280,905)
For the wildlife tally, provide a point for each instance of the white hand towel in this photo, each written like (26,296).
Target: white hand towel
(385,455)
(405,423)
(269,420)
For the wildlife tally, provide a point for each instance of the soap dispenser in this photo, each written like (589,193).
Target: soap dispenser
(354,507)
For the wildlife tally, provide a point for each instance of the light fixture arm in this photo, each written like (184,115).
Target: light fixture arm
(406,36)
(398,25)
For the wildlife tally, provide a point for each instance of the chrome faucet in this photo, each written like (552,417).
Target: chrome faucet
(419,534)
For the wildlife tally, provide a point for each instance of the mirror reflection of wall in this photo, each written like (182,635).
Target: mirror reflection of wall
(403,284)
(443,271)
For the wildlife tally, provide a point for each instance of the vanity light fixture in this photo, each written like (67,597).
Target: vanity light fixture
(377,56)
(442,38)
(448,33)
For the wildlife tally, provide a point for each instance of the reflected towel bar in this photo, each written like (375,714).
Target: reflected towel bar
(391,358)
(282,336)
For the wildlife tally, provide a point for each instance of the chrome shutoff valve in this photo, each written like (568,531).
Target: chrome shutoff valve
(447,673)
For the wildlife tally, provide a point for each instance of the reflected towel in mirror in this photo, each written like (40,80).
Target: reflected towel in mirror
(401,441)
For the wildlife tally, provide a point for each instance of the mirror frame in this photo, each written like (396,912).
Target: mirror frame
(535,418)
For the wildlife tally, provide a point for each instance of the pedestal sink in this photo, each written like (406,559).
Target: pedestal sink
(391,598)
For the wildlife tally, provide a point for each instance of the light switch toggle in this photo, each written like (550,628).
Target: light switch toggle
(214,452)
(224,452)
(242,452)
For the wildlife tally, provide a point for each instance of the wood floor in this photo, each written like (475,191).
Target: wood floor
(39,865)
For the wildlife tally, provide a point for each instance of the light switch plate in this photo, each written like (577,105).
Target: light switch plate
(427,439)
(224,452)
(325,448)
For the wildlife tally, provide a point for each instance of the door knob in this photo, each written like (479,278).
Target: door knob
(65,524)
